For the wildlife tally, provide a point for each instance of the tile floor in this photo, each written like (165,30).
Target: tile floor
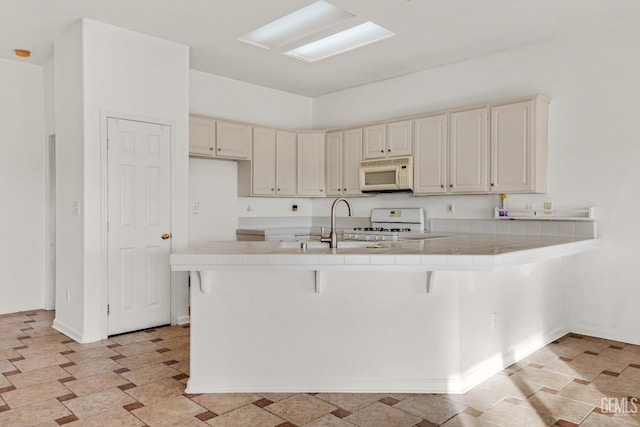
(138,379)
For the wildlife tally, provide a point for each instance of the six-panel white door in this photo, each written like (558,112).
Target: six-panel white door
(139,225)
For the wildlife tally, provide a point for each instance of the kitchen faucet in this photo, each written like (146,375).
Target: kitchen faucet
(333,236)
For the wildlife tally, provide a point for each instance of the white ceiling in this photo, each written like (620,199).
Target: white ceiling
(430,33)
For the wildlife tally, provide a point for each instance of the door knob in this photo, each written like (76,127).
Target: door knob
(165,236)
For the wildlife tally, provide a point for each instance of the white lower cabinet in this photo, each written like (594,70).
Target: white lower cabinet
(311,168)
(519,146)
(344,152)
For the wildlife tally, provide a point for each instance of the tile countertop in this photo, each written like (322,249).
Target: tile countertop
(454,252)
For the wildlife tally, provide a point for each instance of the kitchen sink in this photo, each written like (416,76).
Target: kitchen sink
(322,245)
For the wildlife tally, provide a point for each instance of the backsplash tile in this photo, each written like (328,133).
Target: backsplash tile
(518,227)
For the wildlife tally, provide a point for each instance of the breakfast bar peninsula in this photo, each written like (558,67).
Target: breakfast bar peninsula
(437,314)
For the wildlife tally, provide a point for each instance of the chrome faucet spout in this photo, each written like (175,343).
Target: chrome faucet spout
(333,236)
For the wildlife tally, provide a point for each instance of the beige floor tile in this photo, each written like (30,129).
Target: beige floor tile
(176,343)
(617,360)
(477,399)
(75,346)
(150,374)
(167,412)
(466,420)
(137,348)
(9,343)
(430,407)
(89,355)
(329,420)
(571,347)
(190,422)
(34,393)
(95,383)
(276,397)
(114,417)
(40,350)
(625,383)
(179,354)
(131,338)
(43,361)
(381,415)
(301,408)
(142,360)
(4,382)
(352,402)
(39,376)
(508,414)
(589,394)
(9,353)
(585,367)
(536,378)
(157,391)
(506,386)
(101,401)
(33,414)
(560,407)
(94,367)
(541,357)
(246,416)
(599,420)
(225,402)
(167,333)
(6,366)
(632,348)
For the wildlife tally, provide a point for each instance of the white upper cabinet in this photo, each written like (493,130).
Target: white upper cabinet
(334,163)
(400,138)
(233,140)
(519,146)
(351,157)
(344,152)
(311,159)
(388,140)
(272,172)
(264,162)
(375,141)
(286,163)
(202,136)
(431,139)
(469,151)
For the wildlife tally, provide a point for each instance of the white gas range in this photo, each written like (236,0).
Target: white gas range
(389,224)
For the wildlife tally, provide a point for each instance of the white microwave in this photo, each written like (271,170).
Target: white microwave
(394,174)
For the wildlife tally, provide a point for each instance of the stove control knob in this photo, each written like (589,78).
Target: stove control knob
(377,237)
(382,238)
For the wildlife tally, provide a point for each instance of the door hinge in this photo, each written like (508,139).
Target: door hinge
(108,309)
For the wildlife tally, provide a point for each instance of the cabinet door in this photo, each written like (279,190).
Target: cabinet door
(431,135)
(468,150)
(375,141)
(264,162)
(351,157)
(286,163)
(202,136)
(233,140)
(334,164)
(400,138)
(512,148)
(311,154)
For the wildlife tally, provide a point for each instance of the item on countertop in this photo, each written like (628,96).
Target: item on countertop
(503,205)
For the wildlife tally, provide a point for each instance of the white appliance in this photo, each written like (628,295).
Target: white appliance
(395,174)
(389,224)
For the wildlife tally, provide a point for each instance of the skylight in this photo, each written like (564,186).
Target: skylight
(355,37)
(303,22)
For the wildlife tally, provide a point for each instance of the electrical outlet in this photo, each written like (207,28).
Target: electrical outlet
(547,208)
(451,208)
(196,208)
(494,321)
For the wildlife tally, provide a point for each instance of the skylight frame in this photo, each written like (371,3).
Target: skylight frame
(352,38)
(303,22)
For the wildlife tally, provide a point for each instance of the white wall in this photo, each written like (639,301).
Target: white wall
(139,76)
(213,183)
(593,83)
(22,162)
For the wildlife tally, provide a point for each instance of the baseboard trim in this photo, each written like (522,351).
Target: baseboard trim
(183,320)
(606,334)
